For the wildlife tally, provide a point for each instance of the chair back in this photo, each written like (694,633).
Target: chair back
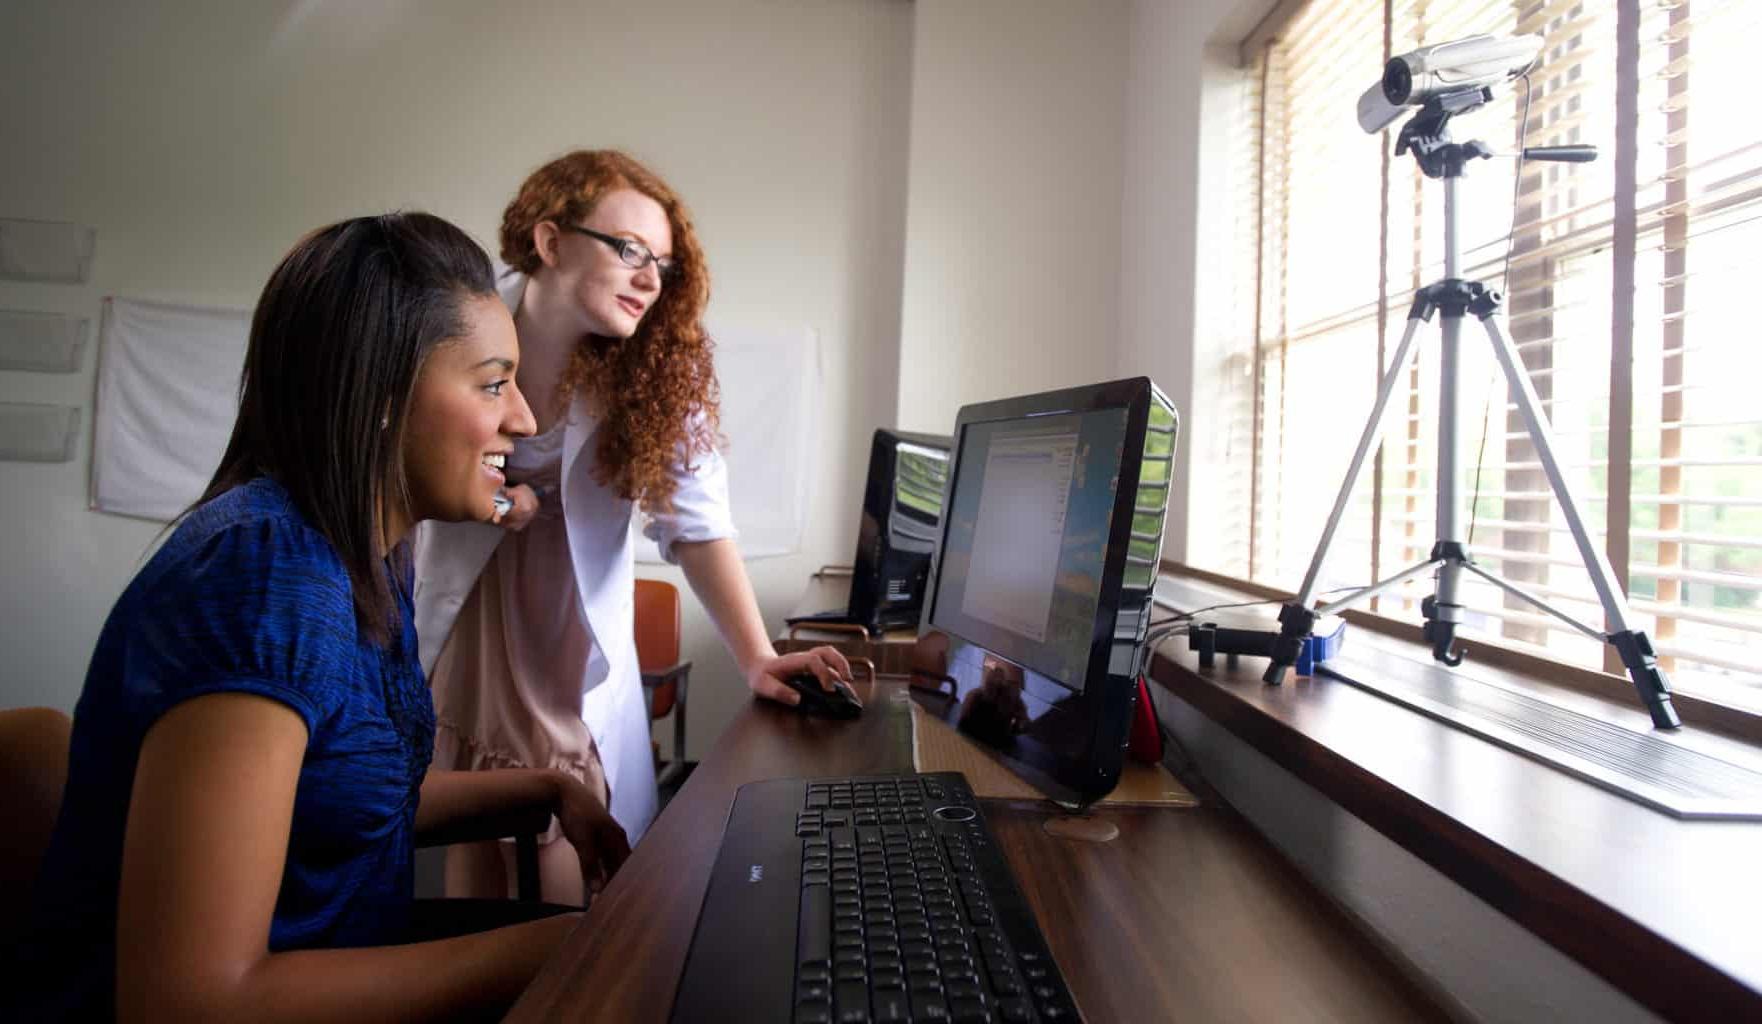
(33,773)
(657,637)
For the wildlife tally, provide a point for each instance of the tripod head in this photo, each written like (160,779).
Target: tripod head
(1427,136)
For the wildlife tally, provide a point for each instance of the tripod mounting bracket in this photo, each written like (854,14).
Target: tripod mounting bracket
(1449,551)
(1455,297)
(1295,622)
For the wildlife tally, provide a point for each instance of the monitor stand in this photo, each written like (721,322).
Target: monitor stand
(1086,826)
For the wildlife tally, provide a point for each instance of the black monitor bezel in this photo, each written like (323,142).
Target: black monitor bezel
(1104,699)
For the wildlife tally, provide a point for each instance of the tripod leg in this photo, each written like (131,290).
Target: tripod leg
(1635,649)
(1297,618)
(1442,611)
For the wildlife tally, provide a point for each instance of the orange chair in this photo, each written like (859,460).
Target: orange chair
(664,677)
(33,772)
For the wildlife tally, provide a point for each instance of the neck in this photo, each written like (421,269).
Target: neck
(548,330)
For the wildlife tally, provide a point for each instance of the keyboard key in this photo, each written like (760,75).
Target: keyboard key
(813,927)
(954,959)
(817,1011)
(967,1011)
(891,1006)
(851,1003)
(1015,1011)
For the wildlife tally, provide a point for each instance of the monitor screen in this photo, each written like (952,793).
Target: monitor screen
(1040,585)
(1027,537)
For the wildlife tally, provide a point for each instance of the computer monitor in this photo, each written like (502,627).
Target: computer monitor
(902,507)
(1039,595)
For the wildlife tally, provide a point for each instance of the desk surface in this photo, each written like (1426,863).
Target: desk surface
(1188,914)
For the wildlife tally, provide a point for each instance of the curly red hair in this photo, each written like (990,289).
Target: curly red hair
(657,388)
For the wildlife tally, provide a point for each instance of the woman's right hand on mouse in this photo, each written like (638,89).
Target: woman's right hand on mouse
(826,664)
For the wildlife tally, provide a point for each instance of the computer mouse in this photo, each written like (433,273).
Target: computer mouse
(839,702)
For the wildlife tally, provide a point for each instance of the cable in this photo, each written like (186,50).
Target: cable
(1188,616)
(1523,131)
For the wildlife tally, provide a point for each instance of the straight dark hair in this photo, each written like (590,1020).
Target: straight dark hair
(337,340)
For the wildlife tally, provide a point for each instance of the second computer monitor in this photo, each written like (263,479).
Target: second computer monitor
(1039,596)
(902,505)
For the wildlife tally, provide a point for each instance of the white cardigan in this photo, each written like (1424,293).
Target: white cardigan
(449,557)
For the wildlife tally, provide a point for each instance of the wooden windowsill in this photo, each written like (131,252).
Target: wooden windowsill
(1662,908)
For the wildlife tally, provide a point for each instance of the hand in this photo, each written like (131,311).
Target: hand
(525,508)
(598,840)
(826,664)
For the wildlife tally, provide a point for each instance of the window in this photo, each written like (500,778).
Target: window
(1623,298)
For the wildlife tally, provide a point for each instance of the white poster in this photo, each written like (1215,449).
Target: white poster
(770,383)
(168,384)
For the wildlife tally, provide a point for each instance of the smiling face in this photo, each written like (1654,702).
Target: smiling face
(613,298)
(465,413)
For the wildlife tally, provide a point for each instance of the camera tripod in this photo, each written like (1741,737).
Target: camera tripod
(1427,136)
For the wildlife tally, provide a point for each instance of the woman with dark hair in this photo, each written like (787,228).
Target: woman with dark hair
(527,628)
(250,753)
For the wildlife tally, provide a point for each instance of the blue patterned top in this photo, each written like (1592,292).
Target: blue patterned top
(245,597)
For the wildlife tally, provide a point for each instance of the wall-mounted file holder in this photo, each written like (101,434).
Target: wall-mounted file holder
(44,250)
(38,433)
(41,342)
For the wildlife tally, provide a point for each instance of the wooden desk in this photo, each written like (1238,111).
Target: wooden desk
(1188,915)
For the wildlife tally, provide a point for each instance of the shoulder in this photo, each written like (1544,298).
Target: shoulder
(253,532)
(244,596)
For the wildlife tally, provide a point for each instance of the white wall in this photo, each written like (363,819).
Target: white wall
(1174,289)
(201,139)
(1013,209)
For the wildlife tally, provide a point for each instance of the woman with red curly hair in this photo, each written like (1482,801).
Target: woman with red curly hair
(525,624)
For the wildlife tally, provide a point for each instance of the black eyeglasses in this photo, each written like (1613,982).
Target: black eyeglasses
(634,254)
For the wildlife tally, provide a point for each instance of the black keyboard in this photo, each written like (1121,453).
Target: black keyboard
(871,899)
